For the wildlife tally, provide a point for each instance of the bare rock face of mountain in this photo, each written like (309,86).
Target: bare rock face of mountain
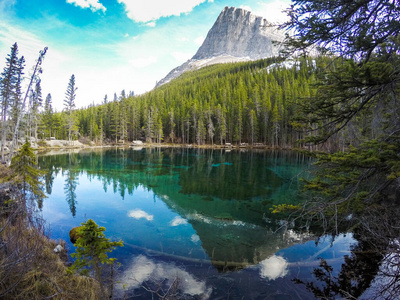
(237,35)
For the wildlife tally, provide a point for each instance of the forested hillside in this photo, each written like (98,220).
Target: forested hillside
(252,102)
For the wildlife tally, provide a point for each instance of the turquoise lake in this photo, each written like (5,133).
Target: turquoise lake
(200,215)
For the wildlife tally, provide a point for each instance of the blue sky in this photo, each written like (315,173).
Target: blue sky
(111,45)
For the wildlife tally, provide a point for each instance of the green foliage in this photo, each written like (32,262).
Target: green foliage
(355,108)
(355,29)
(24,166)
(92,247)
(69,105)
(372,160)
(47,117)
(284,208)
(10,92)
(70,95)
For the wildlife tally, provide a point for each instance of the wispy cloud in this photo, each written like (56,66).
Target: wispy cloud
(29,43)
(151,10)
(94,5)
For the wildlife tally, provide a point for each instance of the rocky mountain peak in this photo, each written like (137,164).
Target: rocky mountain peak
(240,33)
(237,35)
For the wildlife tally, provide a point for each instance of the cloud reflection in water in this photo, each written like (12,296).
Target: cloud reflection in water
(273,267)
(178,221)
(195,238)
(139,214)
(144,269)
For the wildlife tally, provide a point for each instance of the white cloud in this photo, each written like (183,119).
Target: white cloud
(273,267)
(28,44)
(177,221)
(151,10)
(151,24)
(139,214)
(94,5)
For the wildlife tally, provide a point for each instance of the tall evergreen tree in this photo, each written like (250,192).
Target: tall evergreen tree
(34,78)
(10,80)
(92,248)
(24,165)
(69,105)
(35,104)
(16,108)
(47,117)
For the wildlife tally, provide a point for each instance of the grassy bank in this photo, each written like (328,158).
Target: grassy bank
(29,266)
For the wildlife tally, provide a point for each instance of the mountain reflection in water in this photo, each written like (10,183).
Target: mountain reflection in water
(194,214)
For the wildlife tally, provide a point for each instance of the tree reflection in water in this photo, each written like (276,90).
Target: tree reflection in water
(71,182)
(372,270)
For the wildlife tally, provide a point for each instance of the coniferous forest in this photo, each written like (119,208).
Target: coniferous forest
(256,103)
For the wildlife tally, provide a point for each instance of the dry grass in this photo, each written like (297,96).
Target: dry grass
(29,267)
(5,173)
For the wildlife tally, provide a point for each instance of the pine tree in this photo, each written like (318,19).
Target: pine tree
(92,248)
(221,121)
(9,88)
(25,167)
(276,127)
(253,126)
(201,131)
(34,78)
(16,108)
(69,105)
(35,104)
(172,126)
(47,116)
(123,118)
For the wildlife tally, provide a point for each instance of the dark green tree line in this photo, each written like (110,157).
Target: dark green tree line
(236,103)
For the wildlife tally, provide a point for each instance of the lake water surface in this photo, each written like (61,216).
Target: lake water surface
(199,216)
